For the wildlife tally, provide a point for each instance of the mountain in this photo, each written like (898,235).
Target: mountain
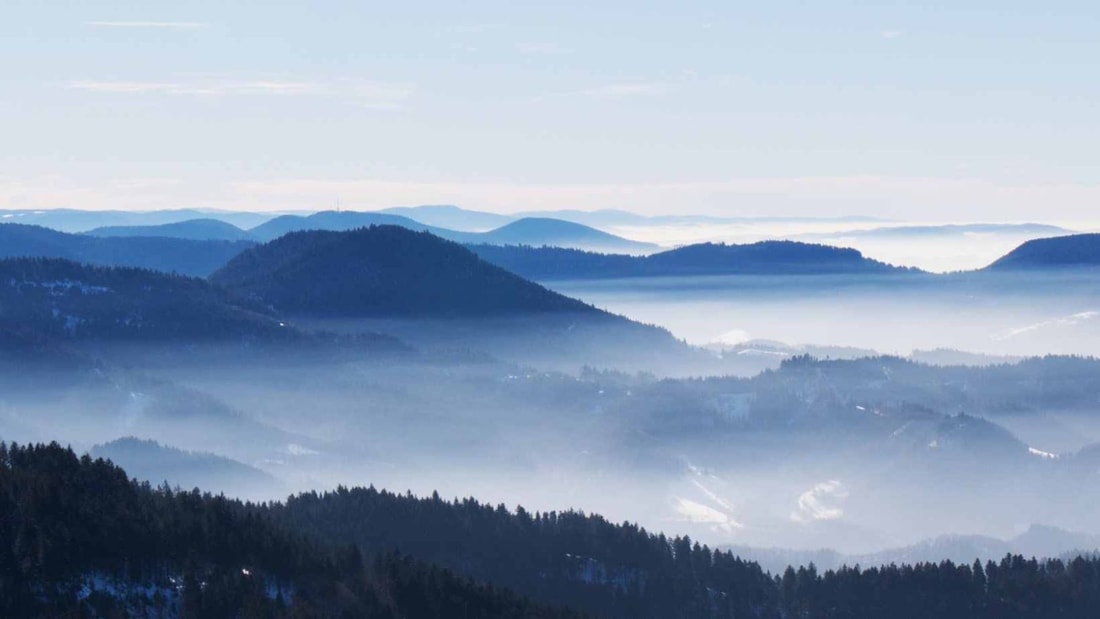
(150,461)
(527,231)
(194,229)
(763,258)
(75,301)
(1074,251)
(80,539)
(187,257)
(75,220)
(452,217)
(383,271)
(541,231)
(330,220)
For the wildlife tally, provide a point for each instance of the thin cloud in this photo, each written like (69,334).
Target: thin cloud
(890,34)
(371,94)
(627,89)
(176,25)
(543,49)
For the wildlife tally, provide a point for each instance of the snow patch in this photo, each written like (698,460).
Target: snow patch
(822,502)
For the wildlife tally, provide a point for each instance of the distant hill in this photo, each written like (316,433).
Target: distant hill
(452,217)
(542,231)
(383,271)
(150,461)
(76,220)
(528,231)
(183,256)
(330,220)
(64,299)
(1074,251)
(194,229)
(763,258)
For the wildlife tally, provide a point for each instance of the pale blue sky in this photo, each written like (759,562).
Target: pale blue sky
(921,110)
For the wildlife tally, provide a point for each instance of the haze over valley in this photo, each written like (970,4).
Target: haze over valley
(504,311)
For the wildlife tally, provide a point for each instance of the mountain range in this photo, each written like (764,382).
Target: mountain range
(762,258)
(170,255)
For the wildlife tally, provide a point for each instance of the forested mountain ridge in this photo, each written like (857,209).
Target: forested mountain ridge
(67,300)
(1073,251)
(80,539)
(170,255)
(383,271)
(205,229)
(762,258)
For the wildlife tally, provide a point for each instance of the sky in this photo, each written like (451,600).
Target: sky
(933,110)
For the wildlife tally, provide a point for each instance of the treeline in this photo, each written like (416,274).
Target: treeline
(621,570)
(77,538)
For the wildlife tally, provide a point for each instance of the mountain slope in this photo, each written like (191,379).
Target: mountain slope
(1074,251)
(763,258)
(79,539)
(383,271)
(194,229)
(74,301)
(187,257)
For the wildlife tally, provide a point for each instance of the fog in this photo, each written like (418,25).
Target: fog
(857,456)
(997,314)
(937,247)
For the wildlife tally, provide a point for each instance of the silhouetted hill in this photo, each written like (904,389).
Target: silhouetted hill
(60,298)
(194,229)
(383,271)
(76,220)
(542,231)
(528,231)
(1074,251)
(452,217)
(150,461)
(184,256)
(330,220)
(763,258)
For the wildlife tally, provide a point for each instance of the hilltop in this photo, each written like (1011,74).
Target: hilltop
(383,271)
(1073,251)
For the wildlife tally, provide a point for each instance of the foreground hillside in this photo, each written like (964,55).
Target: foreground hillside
(80,539)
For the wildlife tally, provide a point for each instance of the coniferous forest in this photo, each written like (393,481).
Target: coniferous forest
(78,538)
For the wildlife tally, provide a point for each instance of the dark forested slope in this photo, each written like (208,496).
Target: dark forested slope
(1077,250)
(383,271)
(75,301)
(80,539)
